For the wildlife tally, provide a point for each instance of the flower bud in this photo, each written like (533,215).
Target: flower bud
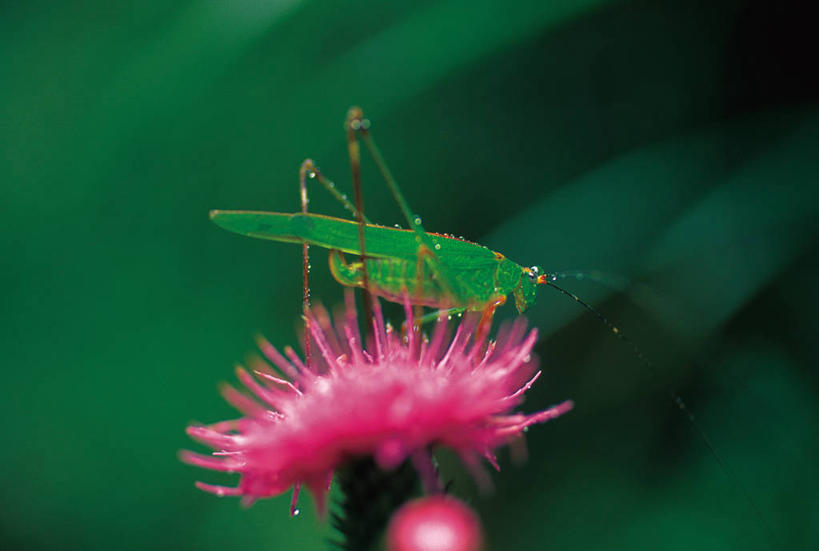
(435,523)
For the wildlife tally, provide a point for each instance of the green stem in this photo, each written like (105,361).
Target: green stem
(370,496)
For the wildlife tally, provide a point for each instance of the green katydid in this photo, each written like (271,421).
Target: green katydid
(435,270)
(476,277)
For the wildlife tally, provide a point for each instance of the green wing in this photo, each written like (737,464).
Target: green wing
(341,234)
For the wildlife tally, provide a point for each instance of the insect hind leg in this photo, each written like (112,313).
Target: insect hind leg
(358,125)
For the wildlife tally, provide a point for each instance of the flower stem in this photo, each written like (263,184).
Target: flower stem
(370,495)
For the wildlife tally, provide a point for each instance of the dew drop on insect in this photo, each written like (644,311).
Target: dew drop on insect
(397,226)
(449,317)
(437,246)
(417,220)
(553,278)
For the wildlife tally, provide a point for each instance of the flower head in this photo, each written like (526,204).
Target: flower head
(393,399)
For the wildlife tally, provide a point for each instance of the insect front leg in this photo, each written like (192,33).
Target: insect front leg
(486,317)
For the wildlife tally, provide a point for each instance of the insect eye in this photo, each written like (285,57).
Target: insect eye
(533,273)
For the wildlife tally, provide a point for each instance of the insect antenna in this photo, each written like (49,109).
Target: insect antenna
(676,399)
(611,280)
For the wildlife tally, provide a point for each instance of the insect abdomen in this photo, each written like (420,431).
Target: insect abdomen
(391,278)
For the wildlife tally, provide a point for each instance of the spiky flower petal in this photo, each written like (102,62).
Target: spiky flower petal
(393,399)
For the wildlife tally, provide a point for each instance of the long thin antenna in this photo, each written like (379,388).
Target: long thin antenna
(676,399)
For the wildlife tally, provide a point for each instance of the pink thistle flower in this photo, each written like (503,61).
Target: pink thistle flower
(392,400)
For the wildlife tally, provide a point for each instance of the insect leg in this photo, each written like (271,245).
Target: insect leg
(436,315)
(312,172)
(356,123)
(304,170)
(486,317)
(354,153)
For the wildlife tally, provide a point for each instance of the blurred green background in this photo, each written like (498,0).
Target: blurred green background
(672,143)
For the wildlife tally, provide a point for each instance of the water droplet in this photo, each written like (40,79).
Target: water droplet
(527,358)
(365,123)
(311,174)
(417,220)
(397,226)
(296,512)
(553,278)
(437,246)
(449,317)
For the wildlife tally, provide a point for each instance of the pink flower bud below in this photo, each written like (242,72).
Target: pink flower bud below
(435,523)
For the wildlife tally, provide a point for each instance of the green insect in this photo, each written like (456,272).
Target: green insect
(434,270)
(462,275)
